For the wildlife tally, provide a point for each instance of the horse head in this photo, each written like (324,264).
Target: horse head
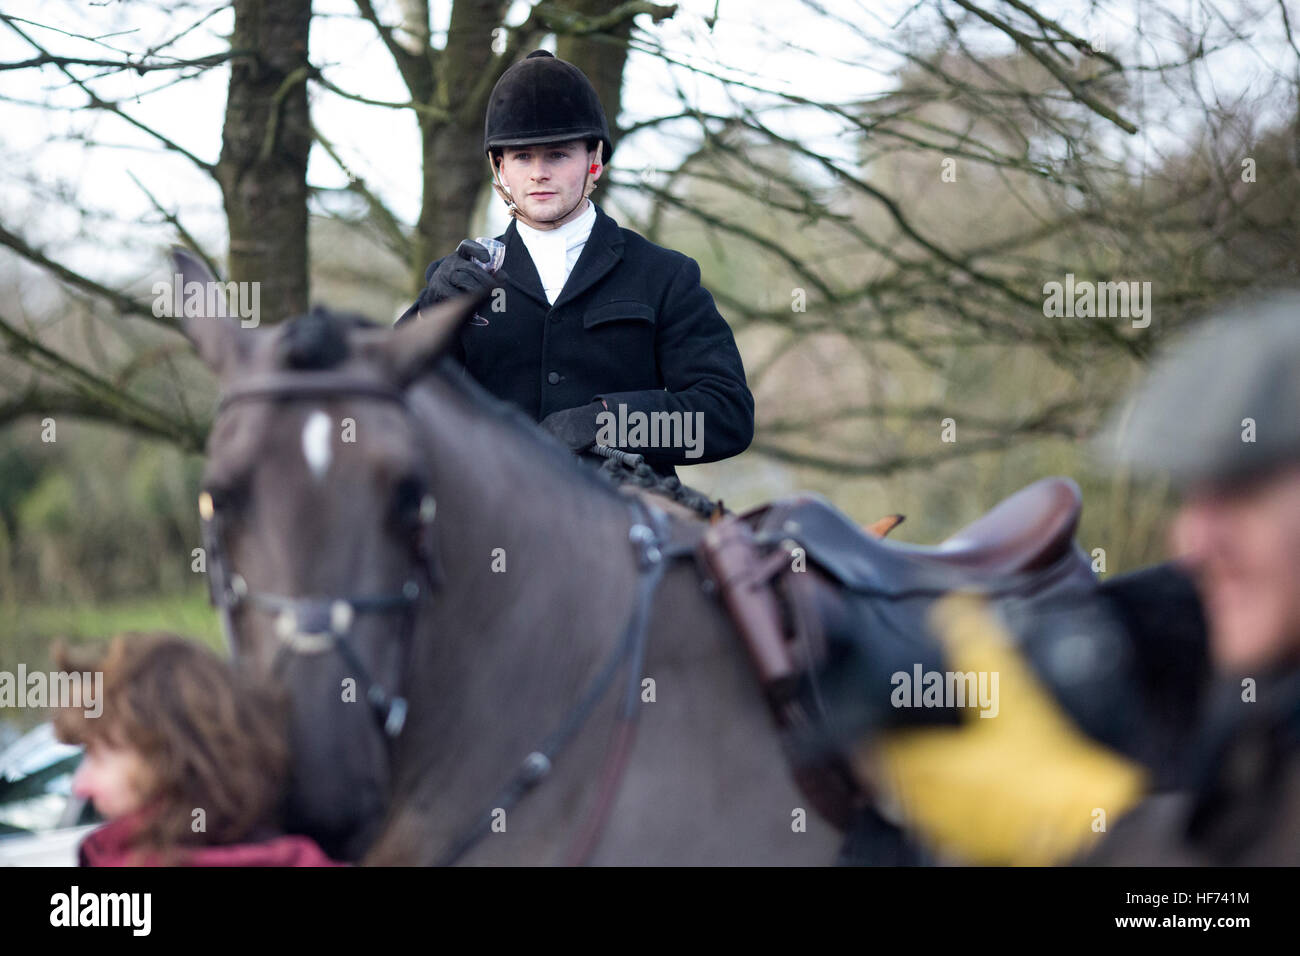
(318,525)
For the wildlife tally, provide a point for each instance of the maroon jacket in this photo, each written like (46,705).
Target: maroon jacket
(110,845)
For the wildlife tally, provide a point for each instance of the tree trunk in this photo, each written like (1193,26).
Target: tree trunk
(601,56)
(455,167)
(265,142)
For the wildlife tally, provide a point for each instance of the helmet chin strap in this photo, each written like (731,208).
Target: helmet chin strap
(502,190)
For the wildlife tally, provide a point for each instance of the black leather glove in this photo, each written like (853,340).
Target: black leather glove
(459,274)
(575,427)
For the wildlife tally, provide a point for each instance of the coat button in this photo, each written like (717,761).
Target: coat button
(553,378)
(555,318)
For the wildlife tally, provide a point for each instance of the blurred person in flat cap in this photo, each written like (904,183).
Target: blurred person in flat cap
(1188,752)
(1221,418)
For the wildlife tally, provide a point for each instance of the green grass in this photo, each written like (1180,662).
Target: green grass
(27,631)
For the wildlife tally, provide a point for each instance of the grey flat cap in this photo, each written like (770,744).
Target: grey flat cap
(1189,419)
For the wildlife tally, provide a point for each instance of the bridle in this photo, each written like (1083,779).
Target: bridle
(319,623)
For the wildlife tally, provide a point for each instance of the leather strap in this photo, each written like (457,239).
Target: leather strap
(648,536)
(276,387)
(773,611)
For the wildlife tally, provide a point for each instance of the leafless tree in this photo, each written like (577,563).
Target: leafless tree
(908,216)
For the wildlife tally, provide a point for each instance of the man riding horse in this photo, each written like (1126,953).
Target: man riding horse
(591,318)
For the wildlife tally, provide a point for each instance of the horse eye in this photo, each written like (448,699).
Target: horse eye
(407,496)
(221,498)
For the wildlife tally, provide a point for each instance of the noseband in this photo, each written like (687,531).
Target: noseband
(314,624)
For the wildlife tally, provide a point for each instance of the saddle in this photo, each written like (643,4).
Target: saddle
(806,588)
(1024,534)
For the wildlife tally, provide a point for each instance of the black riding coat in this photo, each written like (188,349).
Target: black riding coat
(632,325)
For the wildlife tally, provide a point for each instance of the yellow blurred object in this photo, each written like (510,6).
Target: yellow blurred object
(1024,787)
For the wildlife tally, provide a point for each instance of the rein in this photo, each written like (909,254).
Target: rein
(648,536)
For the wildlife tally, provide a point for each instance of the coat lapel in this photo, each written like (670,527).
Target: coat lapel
(519,266)
(602,252)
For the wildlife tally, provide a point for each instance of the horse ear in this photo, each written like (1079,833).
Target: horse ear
(420,341)
(215,337)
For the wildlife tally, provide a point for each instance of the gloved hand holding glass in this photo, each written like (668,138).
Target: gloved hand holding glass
(471,269)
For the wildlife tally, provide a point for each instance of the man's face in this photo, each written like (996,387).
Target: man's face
(1242,544)
(546,182)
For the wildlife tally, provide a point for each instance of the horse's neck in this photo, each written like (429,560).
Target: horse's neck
(508,653)
(539,577)
(500,487)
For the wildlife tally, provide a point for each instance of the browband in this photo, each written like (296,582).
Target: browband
(306,385)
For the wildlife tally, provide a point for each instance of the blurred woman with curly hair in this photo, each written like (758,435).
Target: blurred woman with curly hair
(187,763)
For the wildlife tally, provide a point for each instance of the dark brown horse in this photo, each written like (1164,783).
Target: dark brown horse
(382,534)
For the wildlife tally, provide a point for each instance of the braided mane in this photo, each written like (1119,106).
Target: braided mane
(641,475)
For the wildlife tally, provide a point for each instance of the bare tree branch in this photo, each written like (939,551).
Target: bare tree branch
(122,302)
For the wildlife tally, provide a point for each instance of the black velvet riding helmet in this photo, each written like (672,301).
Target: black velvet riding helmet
(542,99)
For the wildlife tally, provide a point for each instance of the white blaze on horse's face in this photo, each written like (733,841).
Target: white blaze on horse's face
(316,443)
